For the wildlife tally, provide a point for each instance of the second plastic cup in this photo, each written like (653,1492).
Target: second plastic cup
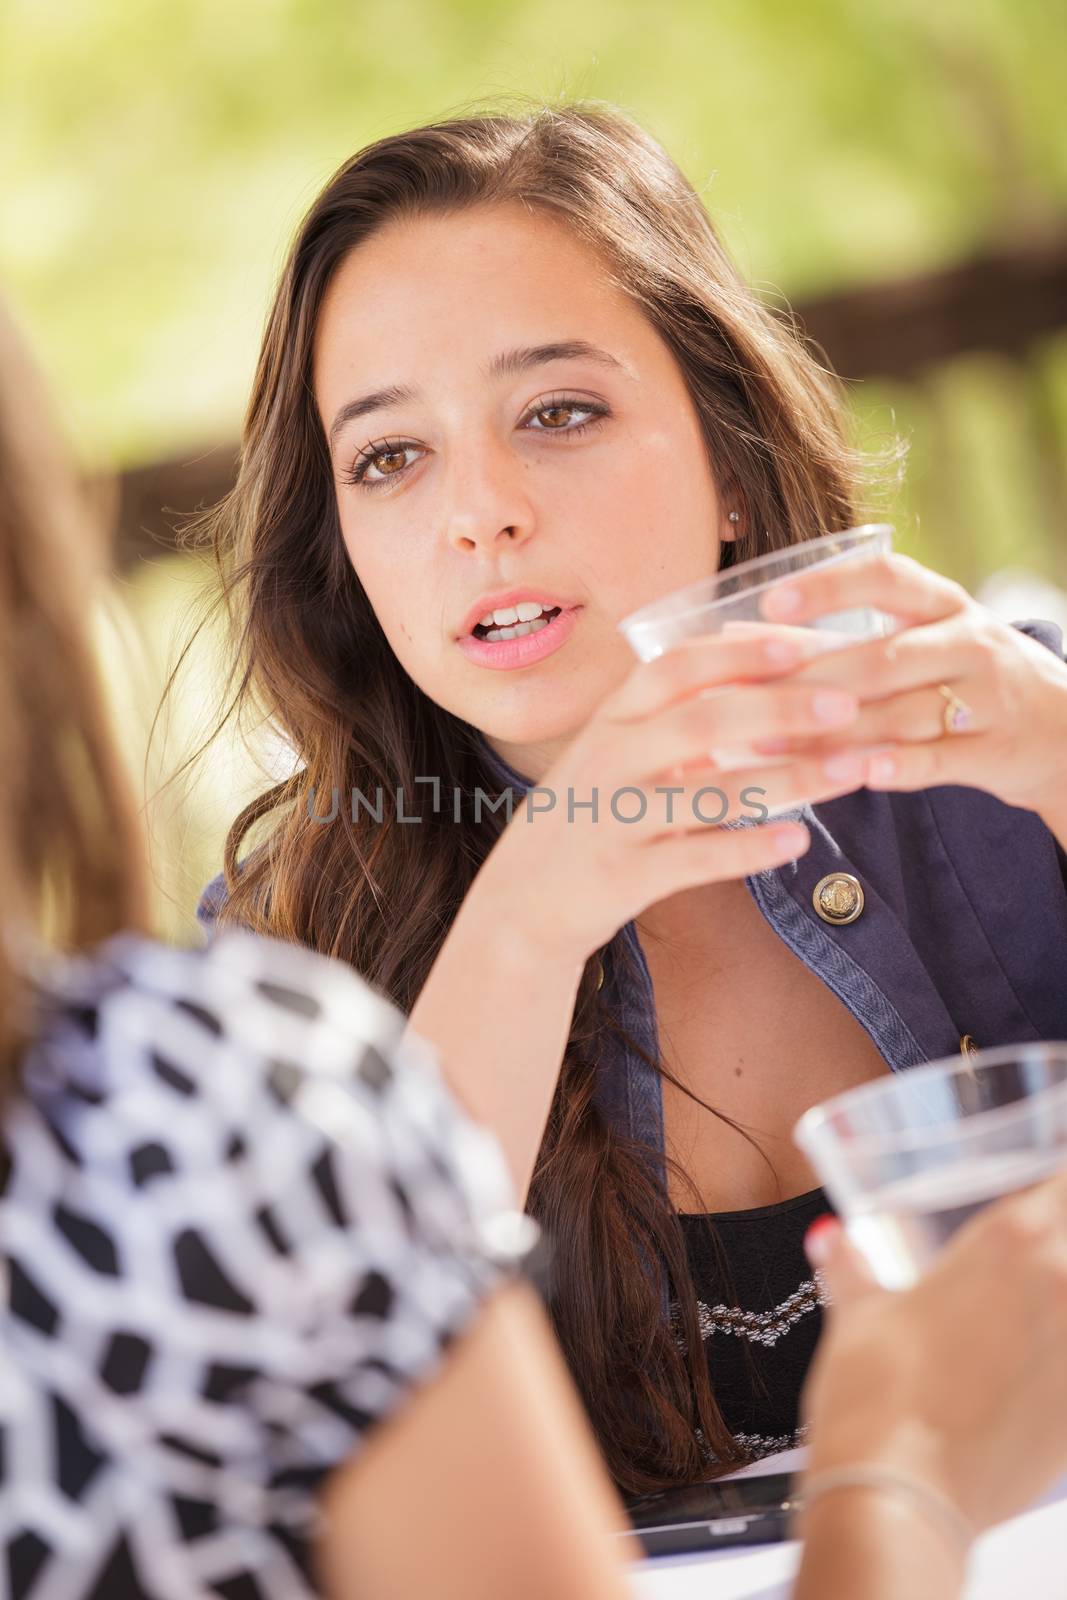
(908,1158)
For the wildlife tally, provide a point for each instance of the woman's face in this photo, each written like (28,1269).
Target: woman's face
(475,481)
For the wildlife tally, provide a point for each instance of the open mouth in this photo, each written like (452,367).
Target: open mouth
(517,630)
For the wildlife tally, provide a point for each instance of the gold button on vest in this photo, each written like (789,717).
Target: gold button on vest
(838,898)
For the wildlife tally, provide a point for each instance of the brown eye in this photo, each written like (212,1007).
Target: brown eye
(394,451)
(561,413)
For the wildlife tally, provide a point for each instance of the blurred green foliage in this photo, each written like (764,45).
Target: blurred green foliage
(157,157)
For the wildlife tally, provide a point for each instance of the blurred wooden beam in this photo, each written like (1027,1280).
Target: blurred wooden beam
(1000,302)
(157,498)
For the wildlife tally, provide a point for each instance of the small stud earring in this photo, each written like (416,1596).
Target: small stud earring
(735,516)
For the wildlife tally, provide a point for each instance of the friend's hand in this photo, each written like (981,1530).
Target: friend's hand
(1014,743)
(961,1382)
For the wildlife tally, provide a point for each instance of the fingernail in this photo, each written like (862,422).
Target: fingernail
(818,1239)
(832,705)
(782,602)
(882,769)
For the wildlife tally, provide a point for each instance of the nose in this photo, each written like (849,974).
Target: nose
(487,500)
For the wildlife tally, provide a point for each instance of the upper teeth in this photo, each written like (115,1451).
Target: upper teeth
(525,611)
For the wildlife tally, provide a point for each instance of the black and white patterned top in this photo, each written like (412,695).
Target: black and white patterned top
(241,1220)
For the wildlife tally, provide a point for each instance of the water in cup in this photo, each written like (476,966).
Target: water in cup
(729,602)
(908,1158)
(733,595)
(902,1227)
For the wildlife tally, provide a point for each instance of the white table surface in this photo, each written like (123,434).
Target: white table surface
(1023,1559)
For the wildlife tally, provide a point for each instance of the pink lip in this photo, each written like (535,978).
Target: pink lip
(510,653)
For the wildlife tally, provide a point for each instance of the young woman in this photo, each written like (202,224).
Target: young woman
(509,366)
(260,1329)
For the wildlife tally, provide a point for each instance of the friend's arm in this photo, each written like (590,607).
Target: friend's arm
(487,1482)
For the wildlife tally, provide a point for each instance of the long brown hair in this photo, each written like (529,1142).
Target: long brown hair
(70,850)
(311,657)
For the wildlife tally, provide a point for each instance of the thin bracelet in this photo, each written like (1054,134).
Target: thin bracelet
(948,1516)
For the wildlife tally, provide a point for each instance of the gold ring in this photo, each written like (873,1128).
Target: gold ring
(957,715)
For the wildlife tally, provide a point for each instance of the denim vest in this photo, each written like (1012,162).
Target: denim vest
(962,932)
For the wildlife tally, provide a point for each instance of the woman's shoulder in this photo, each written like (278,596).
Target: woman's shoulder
(255,999)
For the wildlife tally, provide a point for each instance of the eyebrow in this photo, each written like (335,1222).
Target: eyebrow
(508,364)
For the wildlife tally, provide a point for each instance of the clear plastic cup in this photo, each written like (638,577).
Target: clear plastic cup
(733,596)
(908,1158)
(729,602)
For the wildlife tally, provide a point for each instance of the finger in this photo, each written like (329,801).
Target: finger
(680,860)
(815,749)
(1030,1216)
(811,643)
(906,767)
(694,664)
(893,582)
(945,651)
(729,718)
(918,716)
(1053,1193)
(710,797)
(844,1271)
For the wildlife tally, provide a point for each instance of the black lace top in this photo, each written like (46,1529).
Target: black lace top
(759,1309)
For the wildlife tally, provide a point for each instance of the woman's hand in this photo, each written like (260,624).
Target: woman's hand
(1015,742)
(960,1382)
(558,884)
(570,878)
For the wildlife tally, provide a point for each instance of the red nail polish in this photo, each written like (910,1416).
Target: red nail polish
(818,1238)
